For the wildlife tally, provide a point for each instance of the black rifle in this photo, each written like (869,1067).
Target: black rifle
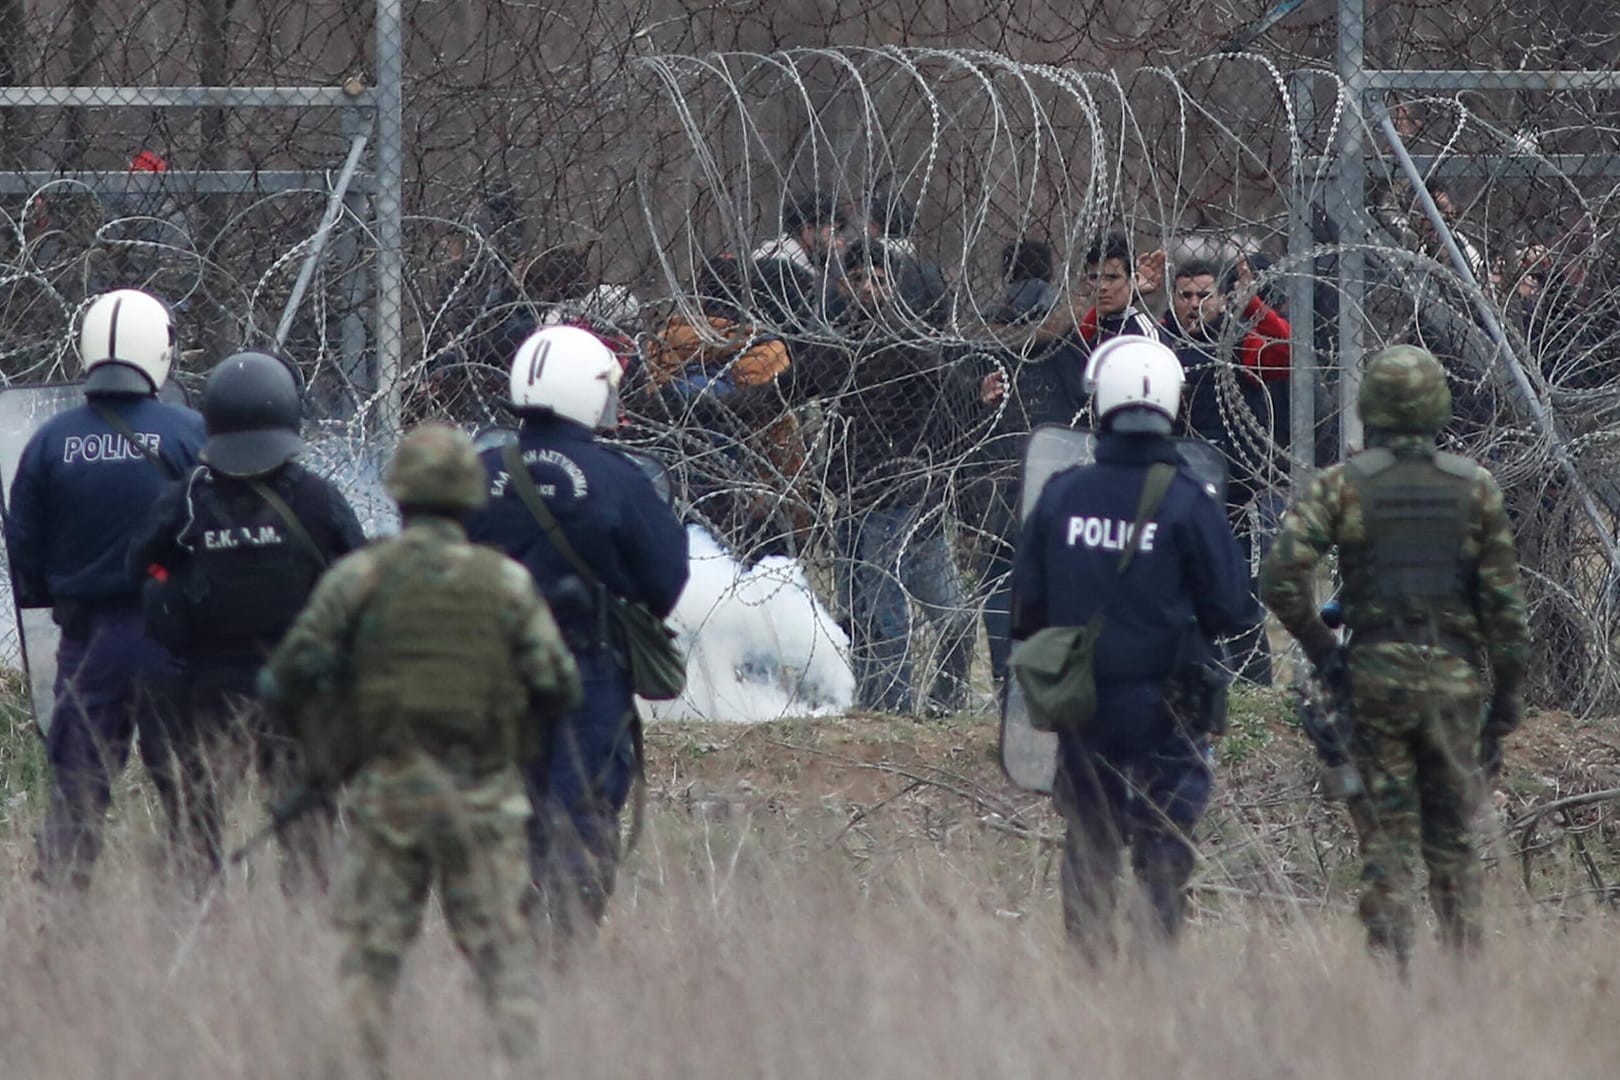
(303,799)
(1325,714)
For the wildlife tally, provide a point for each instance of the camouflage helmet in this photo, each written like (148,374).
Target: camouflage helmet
(436,468)
(1403,389)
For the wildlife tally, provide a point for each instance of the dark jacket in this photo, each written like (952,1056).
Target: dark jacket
(1073,350)
(899,412)
(81,492)
(1257,362)
(1189,572)
(609,512)
(1041,389)
(242,571)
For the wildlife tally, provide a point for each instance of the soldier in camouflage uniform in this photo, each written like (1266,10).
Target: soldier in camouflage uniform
(1430,580)
(446,671)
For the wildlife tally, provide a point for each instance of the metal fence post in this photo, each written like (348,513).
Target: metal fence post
(389,207)
(1349,207)
(1302,374)
(355,289)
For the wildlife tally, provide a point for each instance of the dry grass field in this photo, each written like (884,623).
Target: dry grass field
(860,898)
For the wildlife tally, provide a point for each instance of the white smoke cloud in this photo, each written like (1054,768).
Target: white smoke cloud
(760,645)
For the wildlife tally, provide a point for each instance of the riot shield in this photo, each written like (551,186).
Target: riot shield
(494,437)
(23,409)
(1029,757)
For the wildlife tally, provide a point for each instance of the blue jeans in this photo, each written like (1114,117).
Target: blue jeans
(888,558)
(997,574)
(1255,522)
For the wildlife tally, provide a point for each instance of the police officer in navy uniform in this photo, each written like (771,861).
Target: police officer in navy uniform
(235,571)
(564,386)
(1138,774)
(84,484)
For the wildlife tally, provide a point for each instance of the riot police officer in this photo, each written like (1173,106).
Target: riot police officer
(1430,583)
(237,549)
(84,484)
(564,385)
(1159,576)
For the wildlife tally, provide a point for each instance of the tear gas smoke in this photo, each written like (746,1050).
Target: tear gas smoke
(760,645)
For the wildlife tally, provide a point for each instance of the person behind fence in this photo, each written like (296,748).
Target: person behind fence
(922,287)
(560,289)
(594,533)
(1023,383)
(420,676)
(231,554)
(812,240)
(717,376)
(1125,573)
(1117,308)
(1430,581)
(85,482)
(1231,366)
(899,416)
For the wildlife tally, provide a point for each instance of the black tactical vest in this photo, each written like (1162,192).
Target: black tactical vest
(248,576)
(1409,581)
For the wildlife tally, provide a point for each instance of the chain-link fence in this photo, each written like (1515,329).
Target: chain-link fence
(843,246)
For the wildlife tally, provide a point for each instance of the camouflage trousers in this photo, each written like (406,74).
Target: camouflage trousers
(1416,746)
(420,826)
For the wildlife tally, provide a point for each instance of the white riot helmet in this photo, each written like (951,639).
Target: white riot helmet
(1136,385)
(567,371)
(126,340)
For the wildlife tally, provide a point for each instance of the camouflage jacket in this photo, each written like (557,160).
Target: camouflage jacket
(307,677)
(1330,514)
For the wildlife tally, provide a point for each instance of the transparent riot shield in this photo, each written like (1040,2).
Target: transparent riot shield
(1029,757)
(23,409)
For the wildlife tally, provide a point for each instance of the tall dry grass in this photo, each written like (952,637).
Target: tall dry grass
(753,946)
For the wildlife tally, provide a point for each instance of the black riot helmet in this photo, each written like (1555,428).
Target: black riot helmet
(252,406)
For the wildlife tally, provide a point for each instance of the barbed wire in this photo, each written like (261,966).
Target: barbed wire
(642,170)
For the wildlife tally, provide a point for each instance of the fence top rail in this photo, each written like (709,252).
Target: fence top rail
(1484,79)
(352,94)
(180,181)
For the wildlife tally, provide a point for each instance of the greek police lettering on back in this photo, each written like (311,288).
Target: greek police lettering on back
(1109,534)
(107,446)
(1133,761)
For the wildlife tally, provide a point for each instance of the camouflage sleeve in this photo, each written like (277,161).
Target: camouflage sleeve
(1498,596)
(1287,578)
(543,661)
(309,661)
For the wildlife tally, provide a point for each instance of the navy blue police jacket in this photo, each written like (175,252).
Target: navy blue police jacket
(609,511)
(82,491)
(1189,569)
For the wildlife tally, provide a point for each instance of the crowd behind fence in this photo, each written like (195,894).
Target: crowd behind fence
(611,168)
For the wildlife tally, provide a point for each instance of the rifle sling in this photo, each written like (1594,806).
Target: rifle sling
(290,519)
